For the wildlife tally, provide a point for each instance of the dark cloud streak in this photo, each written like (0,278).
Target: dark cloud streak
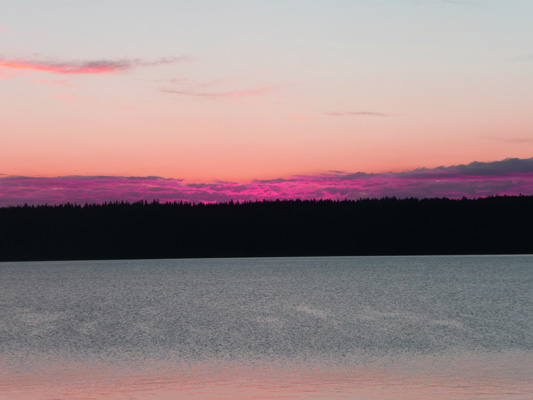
(255,92)
(101,66)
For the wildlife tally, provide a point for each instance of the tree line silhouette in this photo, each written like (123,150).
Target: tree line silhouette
(387,226)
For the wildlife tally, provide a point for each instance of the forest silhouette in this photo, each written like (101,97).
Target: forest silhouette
(387,226)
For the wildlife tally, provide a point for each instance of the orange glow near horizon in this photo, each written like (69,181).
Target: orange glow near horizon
(194,100)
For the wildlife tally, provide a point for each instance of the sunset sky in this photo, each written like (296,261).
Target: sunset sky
(245,94)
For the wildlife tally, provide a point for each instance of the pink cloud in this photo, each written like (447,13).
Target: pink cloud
(8,74)
(82,67)
(507,177)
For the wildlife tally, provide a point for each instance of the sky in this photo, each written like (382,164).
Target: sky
(107,100)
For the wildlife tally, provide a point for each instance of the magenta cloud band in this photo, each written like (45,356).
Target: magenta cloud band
(507,177)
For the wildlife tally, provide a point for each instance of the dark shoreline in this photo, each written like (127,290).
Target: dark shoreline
(388,226)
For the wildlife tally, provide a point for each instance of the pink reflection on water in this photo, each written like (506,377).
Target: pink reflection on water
(499,376)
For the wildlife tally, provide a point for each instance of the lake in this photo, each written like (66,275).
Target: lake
(450,327)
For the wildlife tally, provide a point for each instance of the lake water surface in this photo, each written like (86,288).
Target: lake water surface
(293,328)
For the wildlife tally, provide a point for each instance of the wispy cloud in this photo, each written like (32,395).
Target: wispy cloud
(52,83)
(515,139)
(6,75)
(83,67)
(356,114)
(478,179)
(255,92)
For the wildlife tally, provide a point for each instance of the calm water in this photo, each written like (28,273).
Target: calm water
(292,328)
